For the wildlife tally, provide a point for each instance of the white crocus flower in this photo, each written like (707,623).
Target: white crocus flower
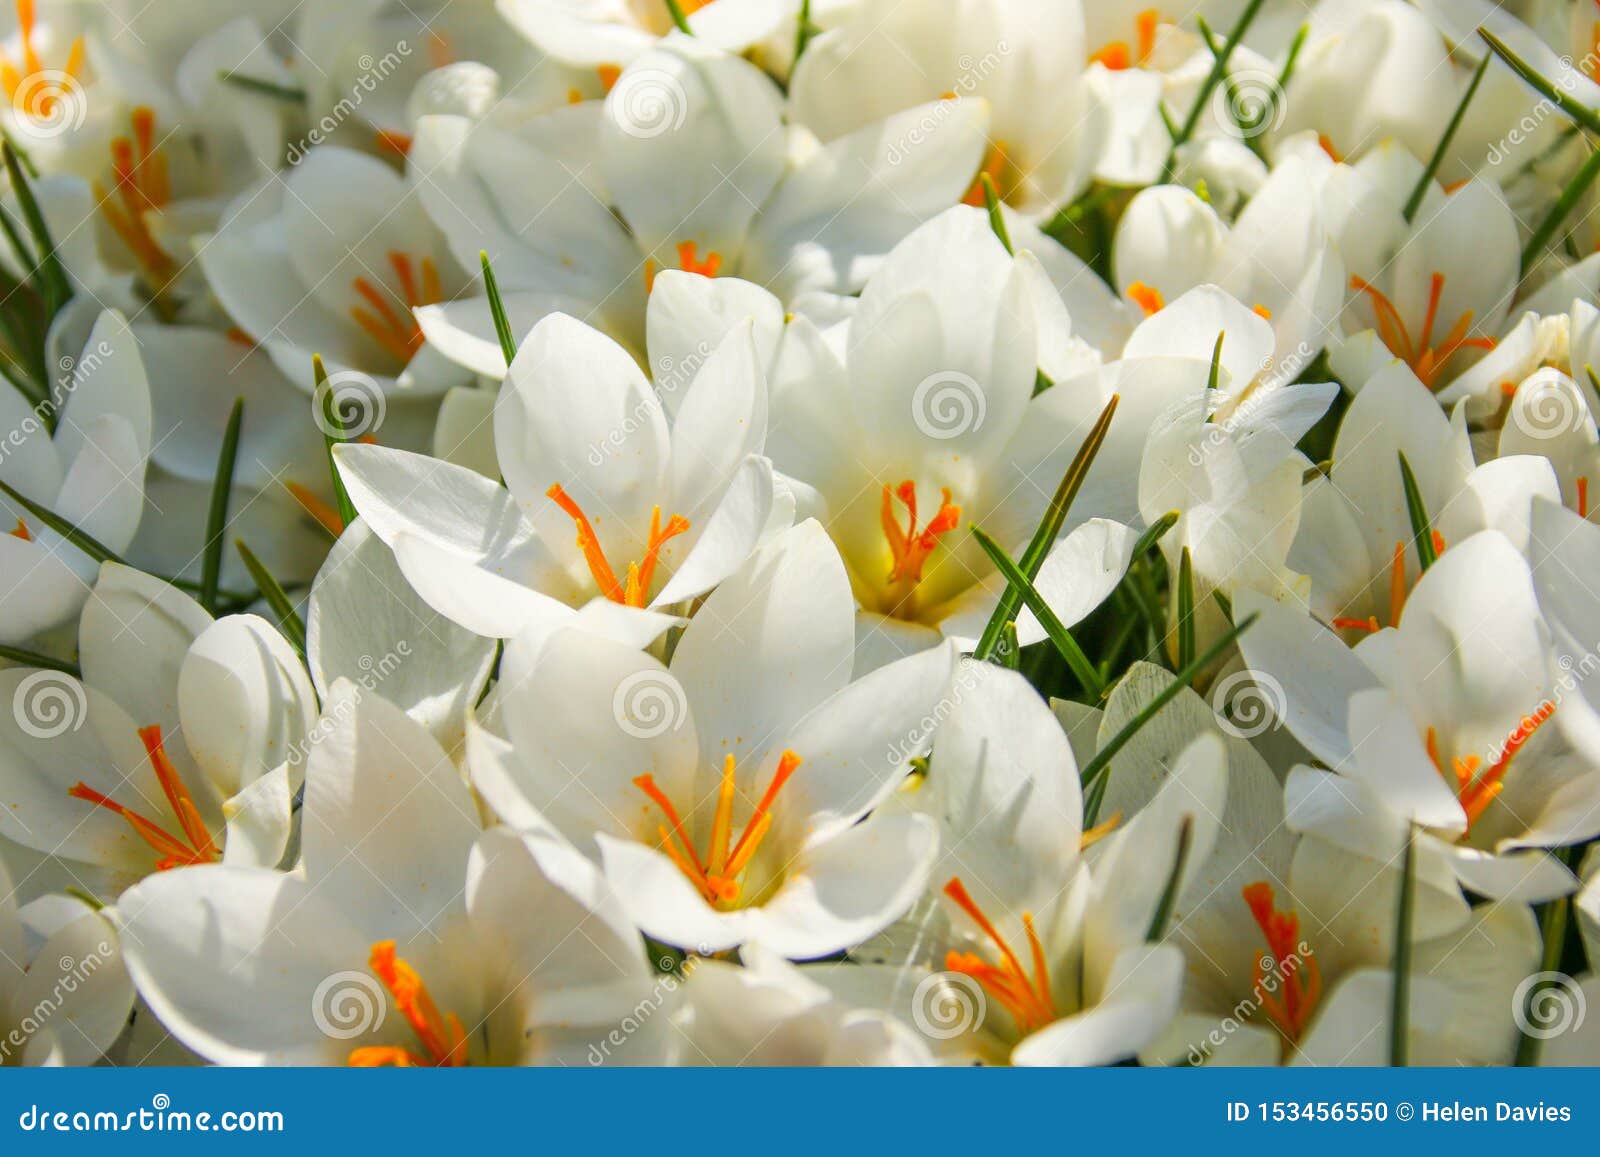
(1553,417)
(600,495)
(332,259)
(612,33)
(1439,720)
(405,937)
(693,169)
(67,999)
(1274,258)
(1031,932)
(1024,57)
(90,471)
(1433,292)
(724,797)
(174,748)
(928,422)
(1355,539)
(768,1012)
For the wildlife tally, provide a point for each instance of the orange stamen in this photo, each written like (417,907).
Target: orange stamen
(689,264)
(1583,497)
(1299,977)
(1397,584)
(21,532)
(313,505)
(49,90)
(1370,623)
(1147,298)
(395,143)
(608,75)
(1027,997)
(1476,792)
(200,848)
(443,1038)
(142,187)
(1426,359)
(395,330)
(716,876)
(1145,24)
(910,547)
(1261,311)
(1325,142)
(994,164)
(1114,56)
(641,574)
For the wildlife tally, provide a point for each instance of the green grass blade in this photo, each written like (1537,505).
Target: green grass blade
(1186,641)
(1169,894)
(497,310)
(1561,210)
(1414,202)
(84,542)
(997,219)
(1044,538)
(272,591)
(1400,991)
(217,516)
(1421,528)
(334,433)
(1580,114)
(261,87)
(35,659)
(1057,631)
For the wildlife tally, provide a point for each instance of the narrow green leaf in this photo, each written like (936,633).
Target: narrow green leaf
(1154,533)
(1044,538)
(1580,114)
(804,31)
(679,20)
(997,219)
(61,526)
(1293,57)
(1421,528)
(1561,210)
(51,277)
(272,591)
(1009,654)
(35,659)
(1057,631)
(1169,894)
(1400,991)
(333,434)
(497,310)
(217,517)
(1041,382)
(1219,69)
(261,87)
(1414,202)
(1553,932)
(1101,760)
(1215,375)
(1249,131)
(1186,642)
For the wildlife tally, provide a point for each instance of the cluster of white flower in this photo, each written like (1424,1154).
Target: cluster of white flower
(1050,532)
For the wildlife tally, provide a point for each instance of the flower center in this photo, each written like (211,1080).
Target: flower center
(636,589)
(1476,792)
(1397,591)
(716,874)
(1116,55)
(443,1040)
(688,261)
(196,845)
(1026,996)
(43,91)
(143,187)
(909,547)
(396,330)
(1425,358)
(1288,980)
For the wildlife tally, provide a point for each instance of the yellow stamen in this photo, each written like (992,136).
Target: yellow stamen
(1100,831)
(717,875)
(640,575)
